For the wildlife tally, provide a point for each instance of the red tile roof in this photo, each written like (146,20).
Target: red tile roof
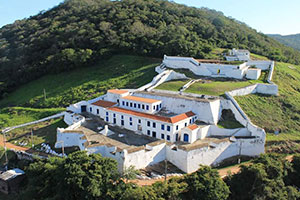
(140,99)
(115,91)
(171,120)
(192,127)
(104,104)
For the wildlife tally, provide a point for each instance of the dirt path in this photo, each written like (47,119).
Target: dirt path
(11,146)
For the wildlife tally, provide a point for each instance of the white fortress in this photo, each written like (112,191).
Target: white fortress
(139,128)
(146,126)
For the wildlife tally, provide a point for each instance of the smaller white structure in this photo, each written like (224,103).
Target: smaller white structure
(238,55)
(253,73)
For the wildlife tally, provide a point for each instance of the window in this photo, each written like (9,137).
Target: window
(160,105)
(107,119)
(147,107)
(157,108)
(115,121)
(130,123)
(122,116)
(148,132)
(97,111)
(139,106)
(130,104)
(177,127)
(106,113)
(134,105)
(140,121)
(130,119)
(168,128)
(123,103)
(122,122)
(190,121)
(143,106)
(185,124)
(154,134)
(91,109)
(162,136)
(126,103)
(153,107)
(154,125)
(176,137)
(114,115)
(168,137)
(148,123)
(162,127)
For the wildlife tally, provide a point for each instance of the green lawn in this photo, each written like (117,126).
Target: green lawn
(217,88)
(43,132)
(277,112)
(172,85)
(120,71)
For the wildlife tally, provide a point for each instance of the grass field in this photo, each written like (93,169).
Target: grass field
(172,85)
(120,71)
(28,104)
(277,112)
(217,88)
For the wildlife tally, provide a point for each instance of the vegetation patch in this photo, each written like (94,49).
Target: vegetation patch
(120,71)
(217,88)
(172,85)
(277,113)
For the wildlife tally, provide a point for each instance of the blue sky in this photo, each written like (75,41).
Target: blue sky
(267,16)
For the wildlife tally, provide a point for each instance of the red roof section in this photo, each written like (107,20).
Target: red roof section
(141,99)
(171,120)
(192,127)
(115,91)
(104,104)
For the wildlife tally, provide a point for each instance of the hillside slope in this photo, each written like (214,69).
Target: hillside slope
(289,40)
(78,32)
(277,113)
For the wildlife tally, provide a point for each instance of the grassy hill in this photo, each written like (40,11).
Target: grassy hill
(277,112)
(289,40)
(77,33)
(27,103)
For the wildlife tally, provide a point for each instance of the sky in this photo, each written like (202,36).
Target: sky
(267,16)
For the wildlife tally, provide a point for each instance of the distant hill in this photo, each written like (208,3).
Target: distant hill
(76,33)
(289,40)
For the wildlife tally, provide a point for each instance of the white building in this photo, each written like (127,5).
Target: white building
(238,55)
(172,124)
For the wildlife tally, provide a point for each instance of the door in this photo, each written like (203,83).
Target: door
(154,134)
(186,137)
(83,108)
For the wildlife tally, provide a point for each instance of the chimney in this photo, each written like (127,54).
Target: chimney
(105,130)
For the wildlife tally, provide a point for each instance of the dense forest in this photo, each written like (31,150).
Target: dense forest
(289,40)
(76,33)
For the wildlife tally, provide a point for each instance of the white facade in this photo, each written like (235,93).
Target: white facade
(253,74)
(207,69)
(238,55)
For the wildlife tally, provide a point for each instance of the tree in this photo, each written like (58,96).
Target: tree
(79,176)
(263,179)
(171,190)
(205,184)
